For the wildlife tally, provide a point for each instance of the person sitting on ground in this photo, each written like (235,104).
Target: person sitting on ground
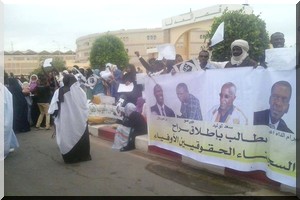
(136,122)
(240,56)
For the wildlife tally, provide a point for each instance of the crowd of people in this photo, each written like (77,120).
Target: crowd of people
(50,98)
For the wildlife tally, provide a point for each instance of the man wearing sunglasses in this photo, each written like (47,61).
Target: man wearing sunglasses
(226,112)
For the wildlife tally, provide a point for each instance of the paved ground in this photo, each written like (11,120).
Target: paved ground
(37,169)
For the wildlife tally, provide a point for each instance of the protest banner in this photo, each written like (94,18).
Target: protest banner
(233,142)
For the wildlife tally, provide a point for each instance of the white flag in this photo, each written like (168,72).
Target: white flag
(48,62)
(218,36)
(166,51)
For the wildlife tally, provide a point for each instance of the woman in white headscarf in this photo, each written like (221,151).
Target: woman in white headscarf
(70,108)
(240,56)
(136,122)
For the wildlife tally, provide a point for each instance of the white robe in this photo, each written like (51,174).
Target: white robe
(10,139)
(236,117)
(72,119)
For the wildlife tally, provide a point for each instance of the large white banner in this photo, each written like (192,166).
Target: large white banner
(223,117)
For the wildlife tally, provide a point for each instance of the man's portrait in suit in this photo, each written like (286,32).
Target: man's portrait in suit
(279,105)
(160,108)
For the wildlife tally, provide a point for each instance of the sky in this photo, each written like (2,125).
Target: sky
(56,24)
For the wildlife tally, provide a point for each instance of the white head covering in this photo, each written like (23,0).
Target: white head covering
(25,84)
(113,68)
(37,78)
(105,74)
(241,43)
(129,108)
(108,65)
(237,60)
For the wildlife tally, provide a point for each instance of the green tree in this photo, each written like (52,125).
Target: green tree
(58,63)
(108,49)
(239,25)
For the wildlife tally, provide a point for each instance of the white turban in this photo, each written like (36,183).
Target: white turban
(129,108)
(113,68)
(240,43)
(108,65)
(237,60)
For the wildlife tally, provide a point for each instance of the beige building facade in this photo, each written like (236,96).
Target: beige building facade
(24,62)
(187,32)
(144,41)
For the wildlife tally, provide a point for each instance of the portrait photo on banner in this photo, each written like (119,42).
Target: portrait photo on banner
(168,91)
(279,102)
(224,116)
(229,96)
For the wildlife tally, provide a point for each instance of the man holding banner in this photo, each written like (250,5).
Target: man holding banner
(240,56)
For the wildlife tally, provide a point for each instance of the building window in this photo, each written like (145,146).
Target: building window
(202,36)
(124,38)
(151,37)
(19,58)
